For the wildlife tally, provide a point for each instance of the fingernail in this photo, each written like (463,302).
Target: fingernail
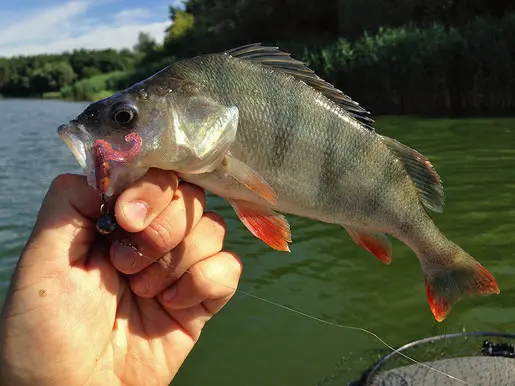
(136,212)
(169,294)
(141,288)
(124,257)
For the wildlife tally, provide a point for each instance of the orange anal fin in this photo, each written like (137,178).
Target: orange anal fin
(439,307)
(374,242)
(466,278)
(265,224)
(249,178)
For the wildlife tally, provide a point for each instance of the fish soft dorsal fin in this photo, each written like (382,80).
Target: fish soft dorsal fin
(273,57)
(421,172)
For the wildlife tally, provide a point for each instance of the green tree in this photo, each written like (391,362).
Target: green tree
(146,44)
(222,24)
(178,38)
(6,72)
(182,24)
(52,76)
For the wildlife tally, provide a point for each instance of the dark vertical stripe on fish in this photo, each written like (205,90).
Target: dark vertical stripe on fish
(285,136)
(345,159)
(390,176)
(371,198)
(328,179)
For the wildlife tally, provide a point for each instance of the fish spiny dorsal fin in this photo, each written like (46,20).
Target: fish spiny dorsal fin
(421,172)
(273,57)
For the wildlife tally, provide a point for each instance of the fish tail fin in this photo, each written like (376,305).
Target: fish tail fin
(460,275)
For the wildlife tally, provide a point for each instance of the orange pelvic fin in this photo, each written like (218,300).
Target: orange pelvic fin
(249,178)
(374,242)
(265,224)
(465,277)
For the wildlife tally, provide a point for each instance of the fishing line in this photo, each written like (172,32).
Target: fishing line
(312,317)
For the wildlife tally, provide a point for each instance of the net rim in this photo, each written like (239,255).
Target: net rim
(378,365)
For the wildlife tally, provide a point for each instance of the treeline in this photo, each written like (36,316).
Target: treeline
(434,70)
(393,56)
(206,25)
(35,75)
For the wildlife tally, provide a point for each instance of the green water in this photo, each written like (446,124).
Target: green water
(255,343)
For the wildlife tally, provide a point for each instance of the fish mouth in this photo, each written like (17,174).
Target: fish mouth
(75,138)
(81,144)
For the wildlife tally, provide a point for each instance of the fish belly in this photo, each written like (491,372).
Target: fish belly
(320,161)
(331,177)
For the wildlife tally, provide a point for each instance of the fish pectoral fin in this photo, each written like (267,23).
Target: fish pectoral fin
(374,242)
(249,178)
(265,224)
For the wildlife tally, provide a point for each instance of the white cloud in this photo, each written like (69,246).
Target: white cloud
(43,24)
(177,3)
(130,15)
(67,27)
(109,37)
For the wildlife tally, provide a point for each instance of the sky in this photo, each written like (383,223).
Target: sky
(31,27)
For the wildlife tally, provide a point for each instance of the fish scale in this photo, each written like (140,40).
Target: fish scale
(259,122)
(263,131)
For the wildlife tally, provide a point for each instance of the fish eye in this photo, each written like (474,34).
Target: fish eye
(123,113)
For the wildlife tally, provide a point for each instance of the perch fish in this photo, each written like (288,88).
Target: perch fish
(260,129)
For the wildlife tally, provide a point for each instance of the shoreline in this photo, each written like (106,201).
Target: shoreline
(475,116)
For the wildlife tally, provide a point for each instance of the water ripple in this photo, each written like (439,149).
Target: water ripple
(326,274)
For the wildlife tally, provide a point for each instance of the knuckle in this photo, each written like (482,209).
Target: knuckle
(218,229)
(64,181)
(202,282)
(207,237)
(235,264)
(163,178)
(215,233)
(163,234)
(216,221)
(186,189)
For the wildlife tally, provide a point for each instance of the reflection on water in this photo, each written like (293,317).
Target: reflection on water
(326,275)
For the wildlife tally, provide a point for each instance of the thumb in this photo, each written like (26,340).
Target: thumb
(65,227)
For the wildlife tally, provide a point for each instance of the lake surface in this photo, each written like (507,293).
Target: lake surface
(255,343)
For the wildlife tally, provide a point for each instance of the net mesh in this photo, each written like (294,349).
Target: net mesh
(477,358)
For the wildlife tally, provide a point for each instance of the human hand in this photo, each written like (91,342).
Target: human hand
(83,311)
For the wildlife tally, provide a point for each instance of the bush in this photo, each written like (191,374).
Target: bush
(142,72)
(51,95)
(91,88)
(431,70)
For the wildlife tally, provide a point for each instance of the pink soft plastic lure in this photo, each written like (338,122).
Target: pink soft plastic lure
(104,153)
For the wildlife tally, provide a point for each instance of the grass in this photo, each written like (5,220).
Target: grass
(94,88)
(51,95)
